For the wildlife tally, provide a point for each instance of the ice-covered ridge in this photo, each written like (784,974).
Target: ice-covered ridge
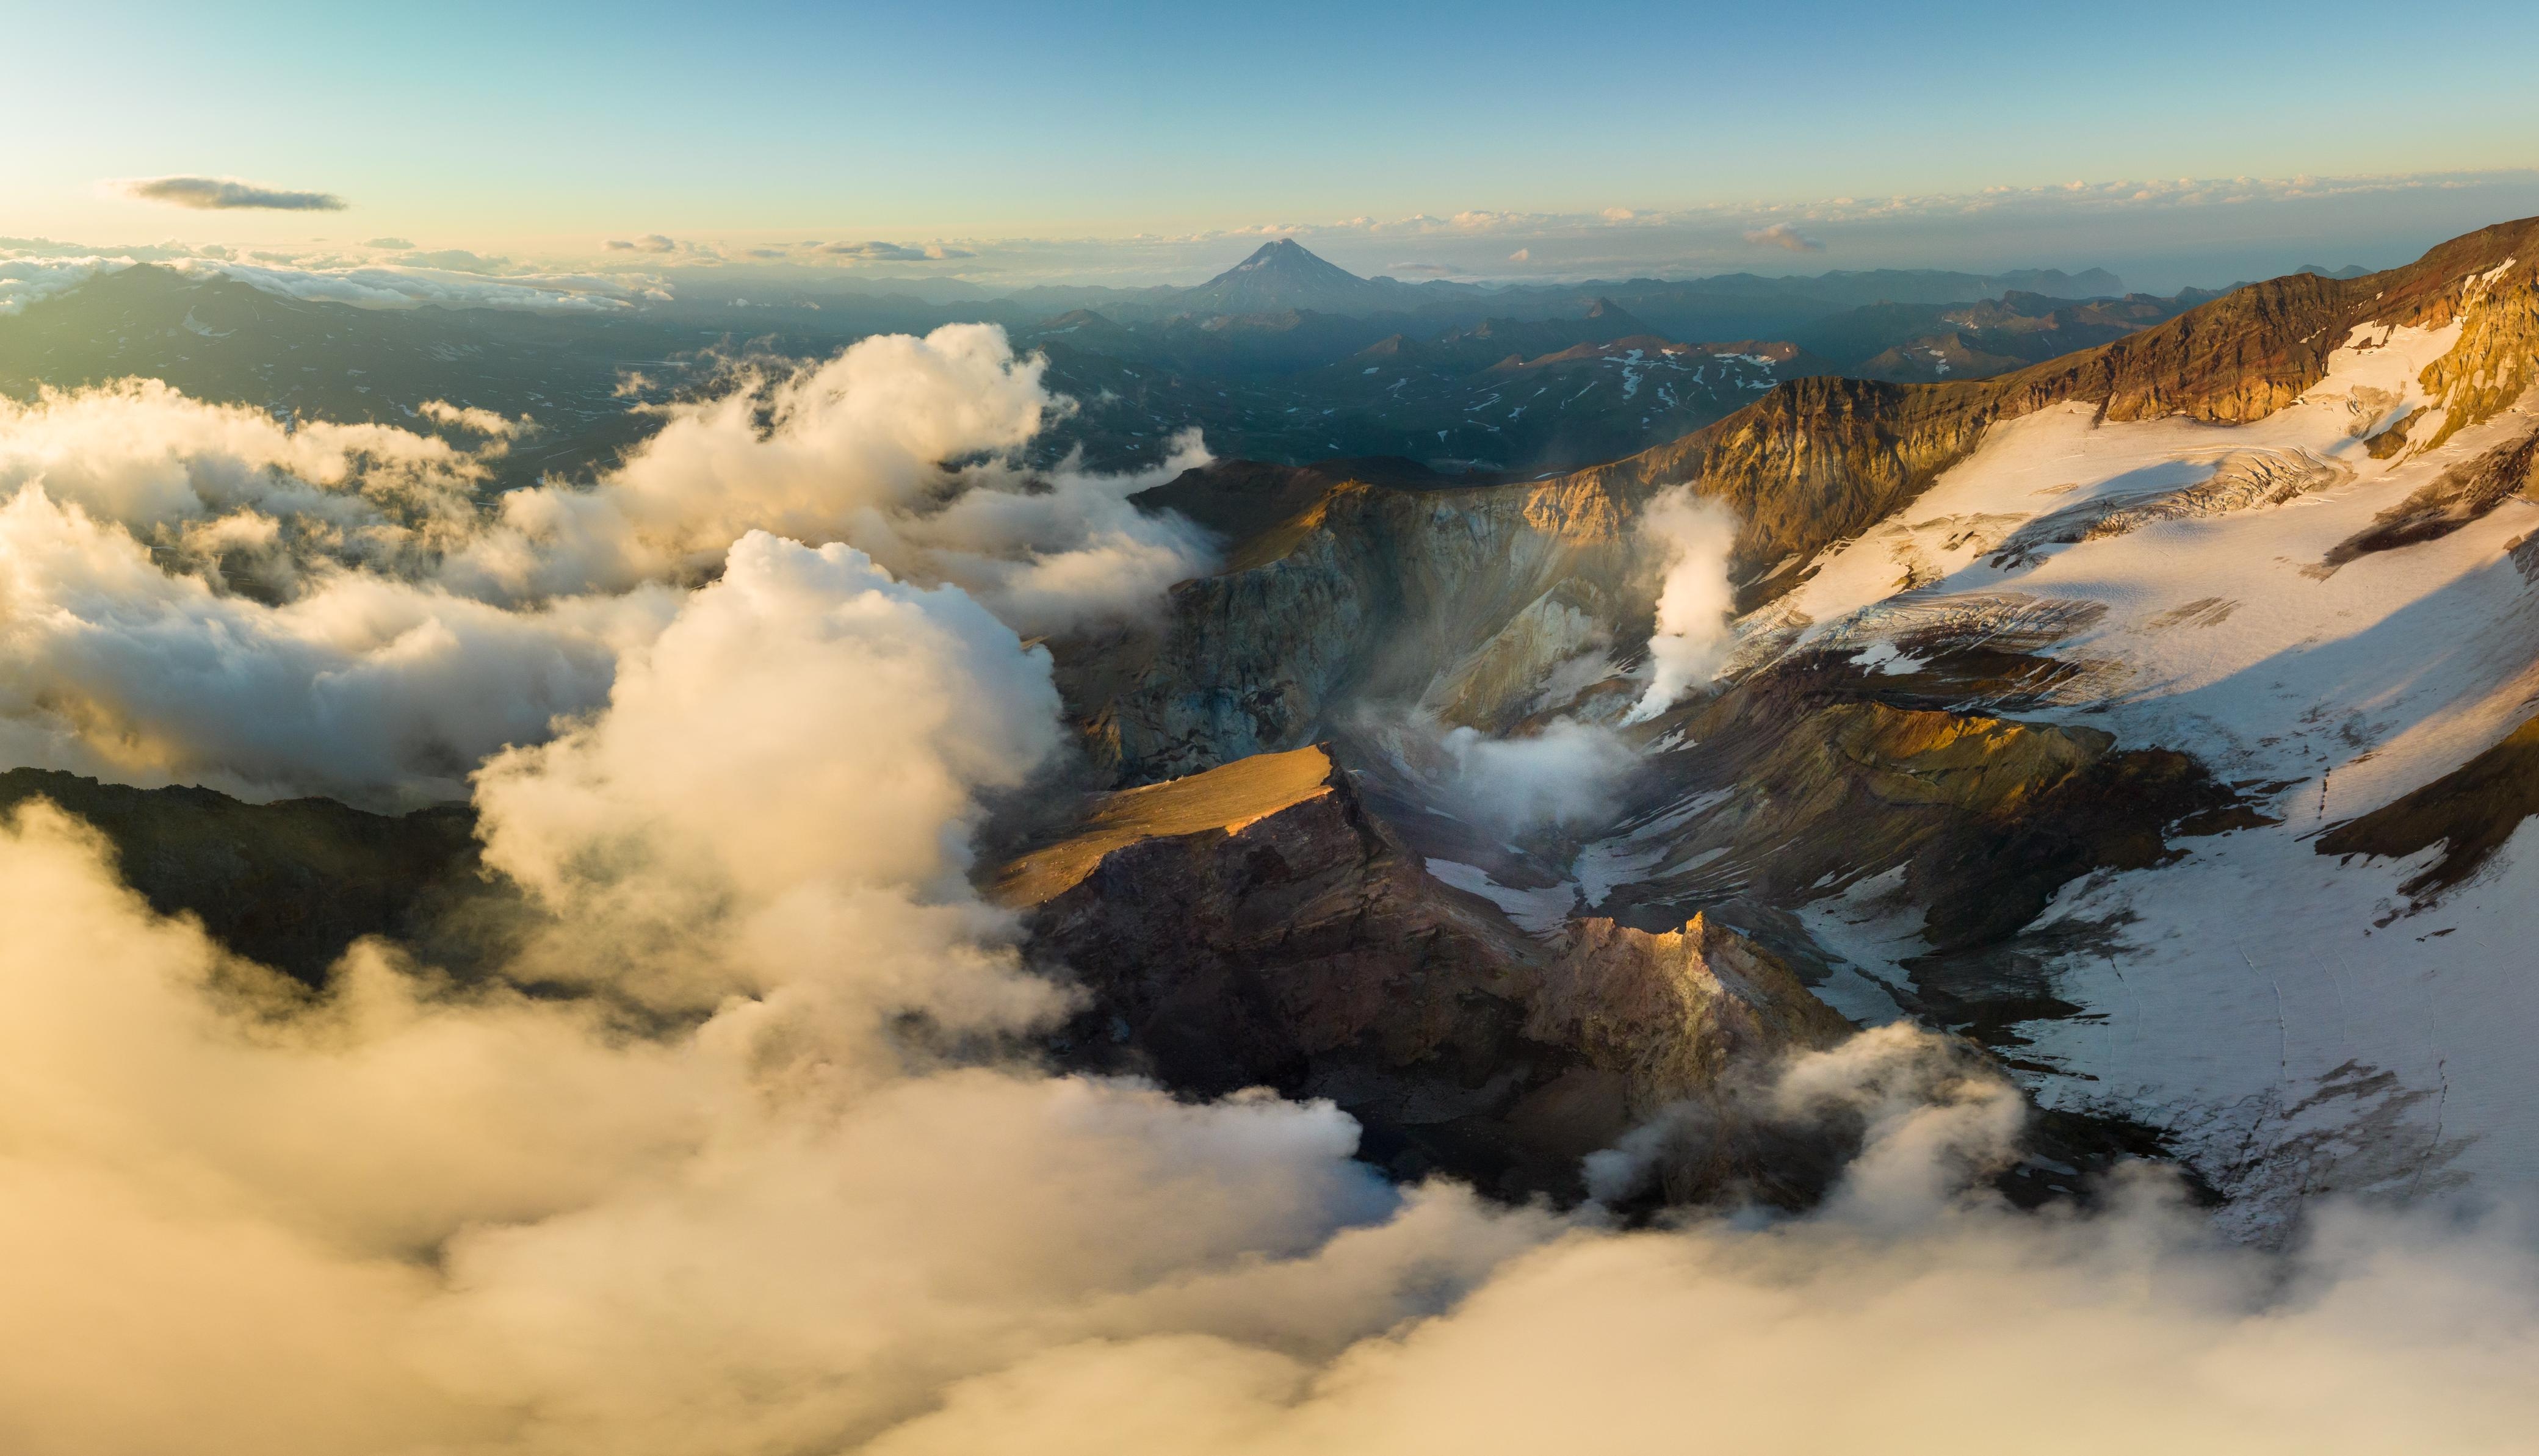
(2295,1021)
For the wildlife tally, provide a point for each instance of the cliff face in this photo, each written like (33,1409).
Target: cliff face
(1260,925)
(1675,1013)
(1462,597)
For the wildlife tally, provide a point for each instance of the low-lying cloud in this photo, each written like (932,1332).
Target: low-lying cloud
(205,194)
(1568,774)
(895,252)
(1784,237)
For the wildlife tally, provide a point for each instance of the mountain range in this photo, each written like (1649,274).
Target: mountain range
(1283,357)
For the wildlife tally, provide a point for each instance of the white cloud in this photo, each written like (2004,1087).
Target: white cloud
(804,740)
(202,596)
(1784,237)
(384,285)
(361,686)
(204,484)
(853,448)
(27,279)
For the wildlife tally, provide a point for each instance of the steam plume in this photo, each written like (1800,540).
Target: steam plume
(1693,634)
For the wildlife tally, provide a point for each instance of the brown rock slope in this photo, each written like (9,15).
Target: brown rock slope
(2469,811)
(1371,592)
(1258,924)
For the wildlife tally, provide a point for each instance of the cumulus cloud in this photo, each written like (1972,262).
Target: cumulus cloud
(224,193)
(1522,254)
(476,421)
(750,1166)
(196,593)
(360,686)
(854,448)
(701,813)
(392,245)
(229,492)
(409,1216)
(1784,237)
(649,242)
(408,1212)
(1694,538)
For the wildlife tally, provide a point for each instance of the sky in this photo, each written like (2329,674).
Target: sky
(547,129)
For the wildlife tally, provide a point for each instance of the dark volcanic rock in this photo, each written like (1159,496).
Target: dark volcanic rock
(1258,926)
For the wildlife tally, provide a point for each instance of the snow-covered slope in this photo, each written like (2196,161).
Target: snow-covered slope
(2295,1021)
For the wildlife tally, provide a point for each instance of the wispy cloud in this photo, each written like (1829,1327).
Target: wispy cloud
(1783,236)
(221,194)
(649,242)
(896,253)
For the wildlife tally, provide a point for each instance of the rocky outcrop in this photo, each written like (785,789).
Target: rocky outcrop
(2470,811)
(1673,1015)
(1258,925)
(2451,500)
(1985,817)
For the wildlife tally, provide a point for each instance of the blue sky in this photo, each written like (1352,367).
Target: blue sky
(554,125)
